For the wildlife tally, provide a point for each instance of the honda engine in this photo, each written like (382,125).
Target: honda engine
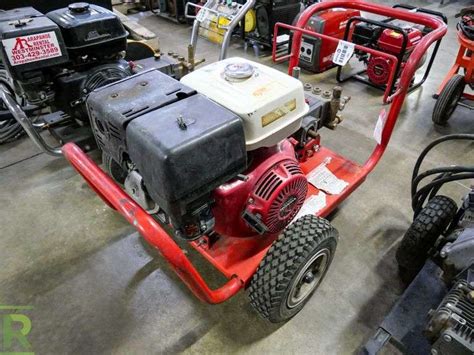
(211,153)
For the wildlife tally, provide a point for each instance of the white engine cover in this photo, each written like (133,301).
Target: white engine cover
(270,103)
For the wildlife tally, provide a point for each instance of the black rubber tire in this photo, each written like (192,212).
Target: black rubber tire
(270,286)
(113,168)
(447,99)
(426,228)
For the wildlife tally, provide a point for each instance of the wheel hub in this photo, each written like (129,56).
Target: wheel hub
(308,278)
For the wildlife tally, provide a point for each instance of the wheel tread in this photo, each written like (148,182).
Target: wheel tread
(430,223)
(285,256)
(440,114)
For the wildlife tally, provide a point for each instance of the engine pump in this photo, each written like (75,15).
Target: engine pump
(214,152)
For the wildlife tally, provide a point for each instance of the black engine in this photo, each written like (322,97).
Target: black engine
(158,130)
(451,326)
(57,59)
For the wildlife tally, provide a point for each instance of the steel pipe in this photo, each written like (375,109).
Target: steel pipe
(228,30)
(148,228)
(21,117)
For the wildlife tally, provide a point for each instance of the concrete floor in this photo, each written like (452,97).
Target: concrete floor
(97,288)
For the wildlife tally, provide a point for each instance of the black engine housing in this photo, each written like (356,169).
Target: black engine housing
(72,87)
(58,58)
(183,144)
(21,52)
(90,30)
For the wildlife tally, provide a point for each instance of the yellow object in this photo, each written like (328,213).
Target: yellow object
(213,32)
(132,42)
(223,22)
(137,50)
(250,21)
(216,34)
(395,34)
(278,113)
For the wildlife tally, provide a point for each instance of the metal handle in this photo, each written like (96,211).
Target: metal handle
(26,123)
(234,21)
(200,7)
(396,100)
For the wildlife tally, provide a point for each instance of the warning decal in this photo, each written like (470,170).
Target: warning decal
(32,48)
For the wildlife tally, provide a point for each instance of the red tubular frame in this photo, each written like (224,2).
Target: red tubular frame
(237,258)
(153,233)
(462,61)
(392,59)
(396,100)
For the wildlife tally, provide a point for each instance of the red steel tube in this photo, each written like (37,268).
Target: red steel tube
(391,58)
(438,27)
(147,227)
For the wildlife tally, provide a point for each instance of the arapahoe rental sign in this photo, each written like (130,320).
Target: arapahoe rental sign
(32,48)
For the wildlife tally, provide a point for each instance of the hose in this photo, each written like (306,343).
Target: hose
(443,175)
(22,118)
(10,129)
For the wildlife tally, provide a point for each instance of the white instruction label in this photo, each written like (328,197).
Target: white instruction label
(379,126)
(202,14)
(343,53)
(323,179)
(32,48)
(312,205)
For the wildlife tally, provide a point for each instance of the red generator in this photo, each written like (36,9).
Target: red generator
(396,38)
(392,42)
(316,53)
(391,38)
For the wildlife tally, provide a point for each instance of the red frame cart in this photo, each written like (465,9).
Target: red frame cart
(238,258)
(463,60)
(452,91)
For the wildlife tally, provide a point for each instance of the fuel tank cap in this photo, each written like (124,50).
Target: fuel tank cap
(79,7)
(238,71)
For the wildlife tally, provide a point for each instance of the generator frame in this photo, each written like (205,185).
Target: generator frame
(390,89)
(462,61)
(238,258)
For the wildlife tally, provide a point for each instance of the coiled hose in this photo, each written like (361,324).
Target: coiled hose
(443,175)
(10,129)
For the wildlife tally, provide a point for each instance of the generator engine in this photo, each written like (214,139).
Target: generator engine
(386,40)
(209,152)
(315,53)
(57,59)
